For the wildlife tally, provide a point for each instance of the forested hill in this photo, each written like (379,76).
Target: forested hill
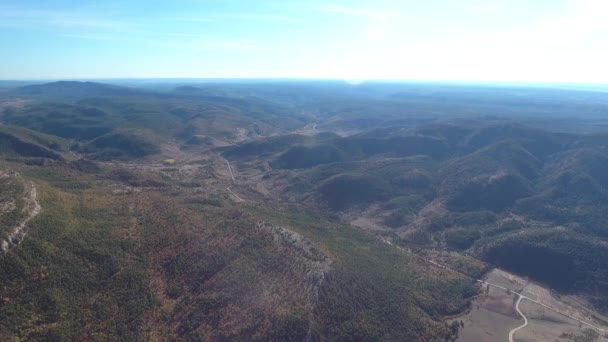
(261,210)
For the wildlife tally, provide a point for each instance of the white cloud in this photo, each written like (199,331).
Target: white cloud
(28,18)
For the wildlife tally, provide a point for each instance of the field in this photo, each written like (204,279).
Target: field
(491,318)
(493,314)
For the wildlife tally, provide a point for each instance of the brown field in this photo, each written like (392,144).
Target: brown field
(493,314)
(546,325)
(491,318)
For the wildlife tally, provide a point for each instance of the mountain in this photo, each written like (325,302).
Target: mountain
(297,211)
(18,141)
(74,89)
(464,189)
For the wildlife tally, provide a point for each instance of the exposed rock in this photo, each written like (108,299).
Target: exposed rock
(317,264)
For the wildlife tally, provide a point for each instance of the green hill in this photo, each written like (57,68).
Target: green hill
(21,142)
(265,146)
(356,148)
(299,157)
(63,120)
(121,145)
(343,191)
(72,89)
(565,261)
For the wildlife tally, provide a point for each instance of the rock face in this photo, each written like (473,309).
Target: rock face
(315,262)
(4,246)
(311,262)
(31,209)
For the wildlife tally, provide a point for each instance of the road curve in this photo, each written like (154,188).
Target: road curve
(522,315)
(521,296)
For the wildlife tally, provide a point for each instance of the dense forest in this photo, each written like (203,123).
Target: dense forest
(261,211)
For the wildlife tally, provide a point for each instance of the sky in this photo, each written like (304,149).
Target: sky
(435,40)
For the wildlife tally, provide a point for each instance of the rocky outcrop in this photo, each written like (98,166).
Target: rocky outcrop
(315,262)
(32,208)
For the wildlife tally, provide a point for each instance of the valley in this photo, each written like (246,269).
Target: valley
(345,216)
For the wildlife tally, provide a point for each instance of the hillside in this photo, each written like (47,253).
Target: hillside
(85,112)
(11,205)
(103,260)
(479,190)
(20,142)
(294,211)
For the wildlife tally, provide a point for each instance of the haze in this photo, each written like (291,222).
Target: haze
(306,171)
(474,40)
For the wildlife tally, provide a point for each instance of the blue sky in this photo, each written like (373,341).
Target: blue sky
(466,40)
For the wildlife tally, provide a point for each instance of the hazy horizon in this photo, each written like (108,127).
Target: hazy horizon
(599,86)
(304,170)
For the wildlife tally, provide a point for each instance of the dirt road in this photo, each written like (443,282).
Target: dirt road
(512,332)
(238,199)
(601,330)
(235,195)
(230,169)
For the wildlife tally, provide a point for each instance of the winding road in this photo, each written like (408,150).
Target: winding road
(522,315)
(521,296)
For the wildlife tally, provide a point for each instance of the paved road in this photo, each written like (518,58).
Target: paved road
(522,315)
(521,296)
